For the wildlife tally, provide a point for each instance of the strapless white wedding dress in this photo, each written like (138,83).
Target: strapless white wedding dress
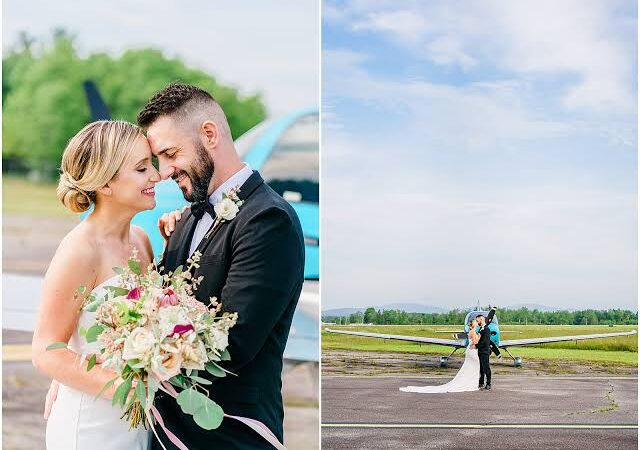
(79,421)
(465,380)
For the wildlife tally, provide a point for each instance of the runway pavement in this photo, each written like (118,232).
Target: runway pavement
(24,389)
(521,412)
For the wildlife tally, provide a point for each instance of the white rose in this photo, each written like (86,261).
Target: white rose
(138,344)
(194,356)
(165,366)
(220,338)
(226,209)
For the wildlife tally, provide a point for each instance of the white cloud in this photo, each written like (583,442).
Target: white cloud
(587,42)
(477,116)
(513,182)
(397,231)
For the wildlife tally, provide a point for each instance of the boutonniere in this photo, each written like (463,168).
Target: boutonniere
(226,209)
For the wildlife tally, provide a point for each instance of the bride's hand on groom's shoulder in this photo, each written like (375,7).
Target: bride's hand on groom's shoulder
(167,222)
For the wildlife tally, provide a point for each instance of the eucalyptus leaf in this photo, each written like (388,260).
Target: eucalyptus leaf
(152,388)
(220,368)
(107,385)
(209,416)
(215,370)
(201,380)
(178,381)
(57,345)
(141,394)
(117,291)
(225,356)
(118,270)
(152,384)
(92,362)
(134,266)
(136,364)
(93,304)
(191,400)
(93,332)
(122,393)
(206,413)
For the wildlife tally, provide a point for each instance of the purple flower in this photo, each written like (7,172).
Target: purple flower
(168,299)
(134,294)
(182,329)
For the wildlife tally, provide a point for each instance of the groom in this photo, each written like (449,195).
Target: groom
(484,349)
(252,261)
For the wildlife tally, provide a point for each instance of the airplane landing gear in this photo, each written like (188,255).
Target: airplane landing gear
(445,359)
(517,360)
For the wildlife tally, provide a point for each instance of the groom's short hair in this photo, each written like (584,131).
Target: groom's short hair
(185,103)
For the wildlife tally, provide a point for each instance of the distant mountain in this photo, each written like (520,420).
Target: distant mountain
(532,306)
(421,308)
(342,312)
(407,307)
(413,308)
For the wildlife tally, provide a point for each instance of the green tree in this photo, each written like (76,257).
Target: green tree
(370,315)
(44,103)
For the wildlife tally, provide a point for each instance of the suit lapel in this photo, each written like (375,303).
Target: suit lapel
(185,240)
(246,190)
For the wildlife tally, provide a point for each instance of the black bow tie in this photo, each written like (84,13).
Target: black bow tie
(199,208)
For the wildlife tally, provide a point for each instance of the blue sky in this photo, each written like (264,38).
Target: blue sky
(479,150)
(248,44)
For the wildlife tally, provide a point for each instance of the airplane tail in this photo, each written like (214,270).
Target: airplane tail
(97,106)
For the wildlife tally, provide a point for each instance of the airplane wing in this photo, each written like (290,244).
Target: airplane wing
(457,343)
(546,340)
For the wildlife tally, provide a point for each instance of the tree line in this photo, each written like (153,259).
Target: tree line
(44,105)
(521,316)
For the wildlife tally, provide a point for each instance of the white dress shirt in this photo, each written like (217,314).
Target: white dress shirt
(206,221)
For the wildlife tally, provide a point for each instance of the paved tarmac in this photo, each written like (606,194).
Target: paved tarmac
(521,412)
(24,389)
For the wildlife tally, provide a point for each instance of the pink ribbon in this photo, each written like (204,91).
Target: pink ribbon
(172,437)
(255,425)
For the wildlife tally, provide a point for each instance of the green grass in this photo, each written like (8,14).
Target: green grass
(24,197)
(618,350)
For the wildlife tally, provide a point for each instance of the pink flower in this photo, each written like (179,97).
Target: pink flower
(182,329)
(169,298)
(134,294)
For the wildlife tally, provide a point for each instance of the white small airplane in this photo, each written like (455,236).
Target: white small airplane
(461,340)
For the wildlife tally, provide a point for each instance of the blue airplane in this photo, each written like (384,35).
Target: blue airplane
(286,152)
(460,339)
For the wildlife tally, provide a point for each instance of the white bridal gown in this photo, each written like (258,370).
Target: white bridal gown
(465,380)
(79,421)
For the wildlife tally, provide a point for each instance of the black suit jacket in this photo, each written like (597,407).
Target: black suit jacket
(254,265)
(484,344)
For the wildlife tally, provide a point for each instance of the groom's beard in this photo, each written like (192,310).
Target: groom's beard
(200,174)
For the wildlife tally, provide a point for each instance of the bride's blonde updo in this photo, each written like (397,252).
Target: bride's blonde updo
(92,158)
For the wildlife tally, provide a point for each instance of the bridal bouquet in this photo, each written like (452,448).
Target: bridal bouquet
(151,330)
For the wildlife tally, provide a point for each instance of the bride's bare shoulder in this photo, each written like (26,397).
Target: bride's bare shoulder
(77,254)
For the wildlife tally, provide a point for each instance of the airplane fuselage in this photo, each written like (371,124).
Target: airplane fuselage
(493,326)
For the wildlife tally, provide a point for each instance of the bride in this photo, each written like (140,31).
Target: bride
(107,164)
(467,377)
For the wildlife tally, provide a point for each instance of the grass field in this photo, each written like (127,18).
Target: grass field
(20,196)
(617,350)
